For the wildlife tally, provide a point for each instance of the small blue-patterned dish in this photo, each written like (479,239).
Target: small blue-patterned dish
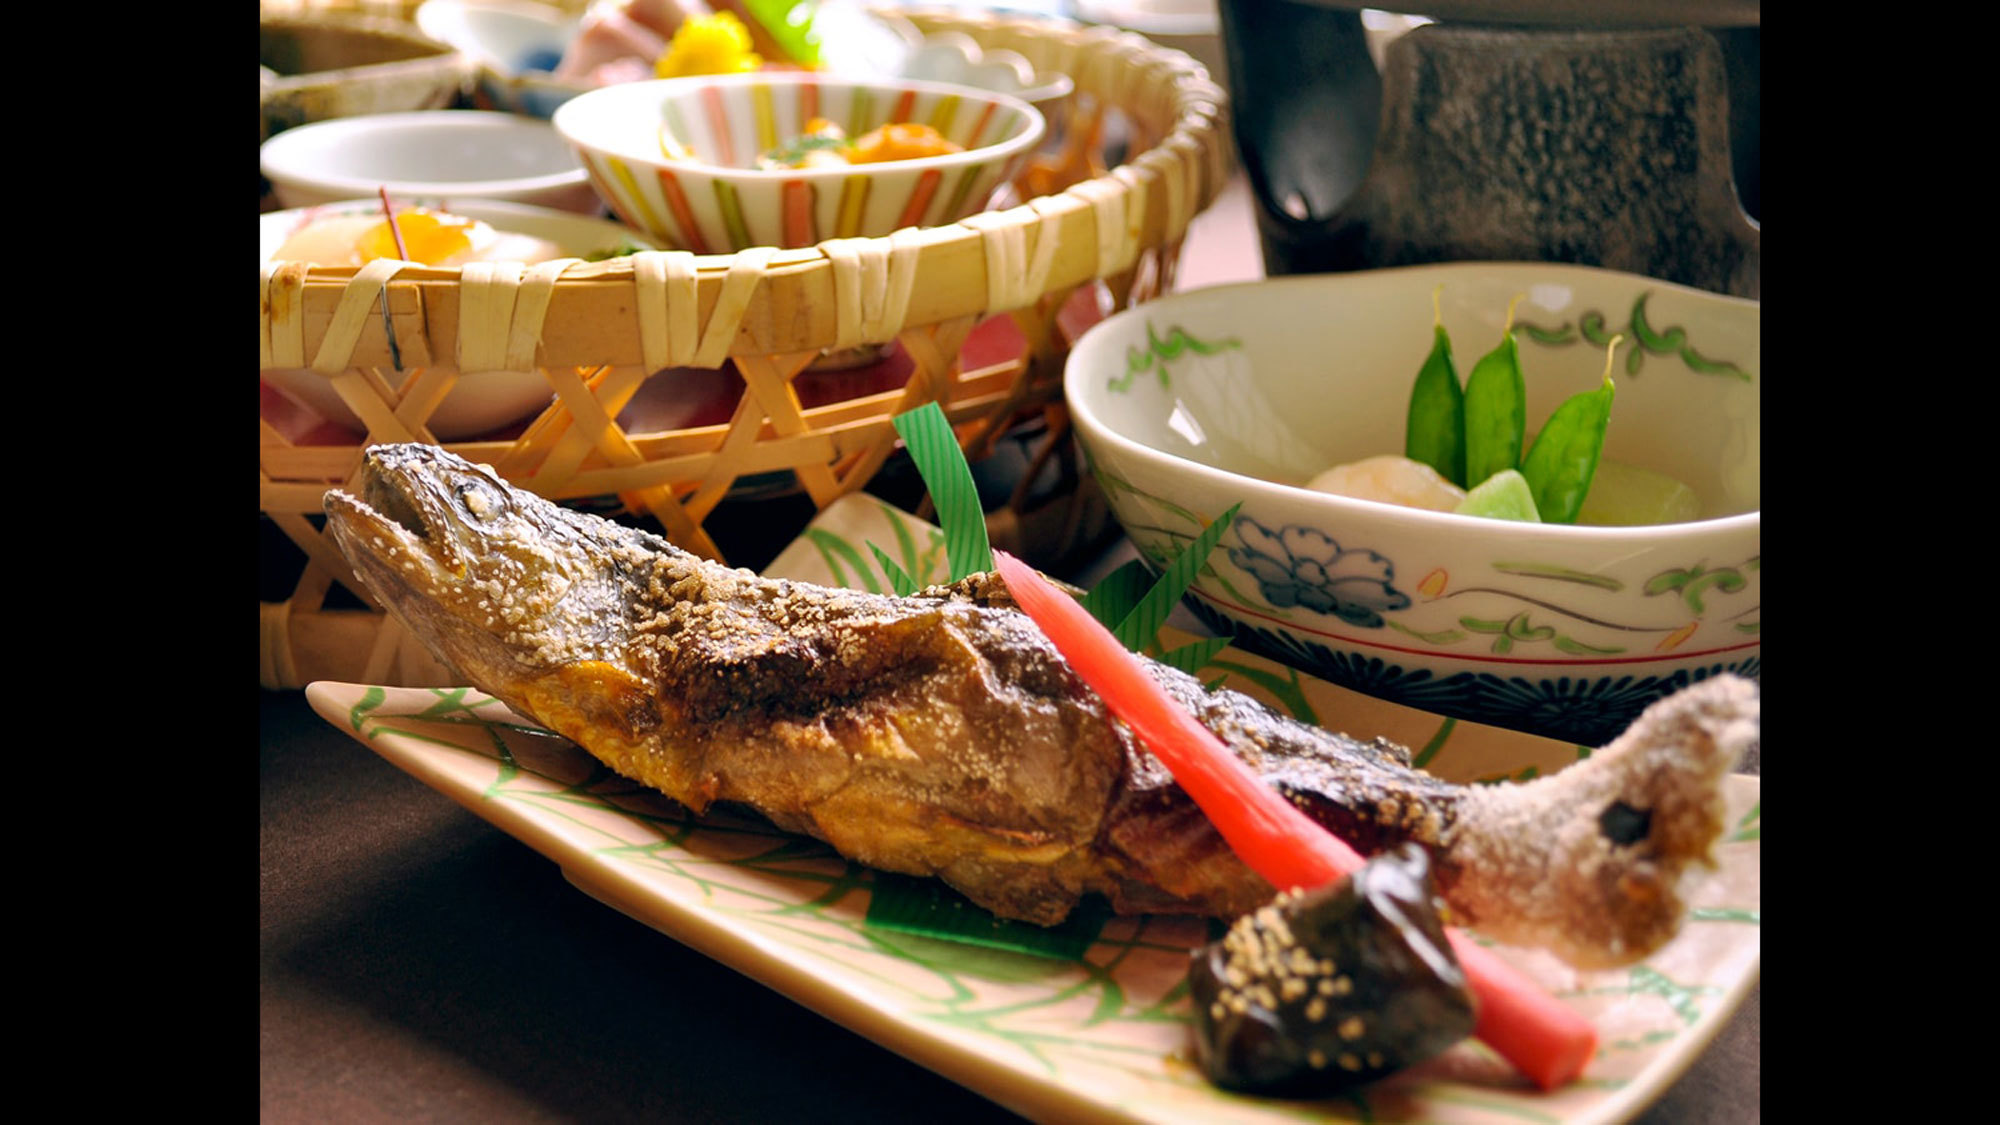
(515,46)
(1242,394)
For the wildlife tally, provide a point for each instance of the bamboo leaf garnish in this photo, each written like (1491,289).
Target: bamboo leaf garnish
(1115,595)
(928,908)
(934,448)
(1122,600)
(1143,623)
(1128,601)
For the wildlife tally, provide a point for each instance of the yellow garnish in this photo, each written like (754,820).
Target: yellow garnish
(717,44)
(429,236)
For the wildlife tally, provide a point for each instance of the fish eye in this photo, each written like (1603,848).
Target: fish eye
(480,499)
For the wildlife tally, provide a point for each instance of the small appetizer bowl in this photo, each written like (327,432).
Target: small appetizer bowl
(331,64)
(514,46)
(714,200)
(449,154)
(1240,394)
(481,401)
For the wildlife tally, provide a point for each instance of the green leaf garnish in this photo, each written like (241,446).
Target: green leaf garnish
(794,150)
(939,460)
(1143,624)
(623,250)
(1117,593)
(929,908)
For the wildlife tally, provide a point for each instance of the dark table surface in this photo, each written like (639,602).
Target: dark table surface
(417,964)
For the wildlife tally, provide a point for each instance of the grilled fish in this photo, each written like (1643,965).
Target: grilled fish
(942,735)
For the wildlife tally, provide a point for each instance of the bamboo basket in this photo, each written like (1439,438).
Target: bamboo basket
(599,331)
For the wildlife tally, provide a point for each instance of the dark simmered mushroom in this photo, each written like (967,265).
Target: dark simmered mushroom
(1326,989)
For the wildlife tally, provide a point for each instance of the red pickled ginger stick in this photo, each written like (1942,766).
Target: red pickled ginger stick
(1539,1035)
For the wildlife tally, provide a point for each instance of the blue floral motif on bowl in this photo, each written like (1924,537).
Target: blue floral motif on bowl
(1305,567)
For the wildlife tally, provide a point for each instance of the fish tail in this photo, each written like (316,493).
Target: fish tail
(1588,862)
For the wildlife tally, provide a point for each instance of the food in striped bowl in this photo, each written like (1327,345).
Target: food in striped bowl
(678,158)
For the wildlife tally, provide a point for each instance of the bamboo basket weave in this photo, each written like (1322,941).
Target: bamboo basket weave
(599,330)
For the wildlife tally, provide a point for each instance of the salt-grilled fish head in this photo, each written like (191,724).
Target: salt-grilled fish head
(492,579)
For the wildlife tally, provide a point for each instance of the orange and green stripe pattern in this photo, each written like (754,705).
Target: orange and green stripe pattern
(800,224)
(731,206)
(853,205)
(944,113)
(764,117)
(677,203)
(799,200)
(860,112)
(920,199)
(625,180)
(718,126)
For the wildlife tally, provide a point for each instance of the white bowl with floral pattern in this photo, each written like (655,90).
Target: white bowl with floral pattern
(1240,394)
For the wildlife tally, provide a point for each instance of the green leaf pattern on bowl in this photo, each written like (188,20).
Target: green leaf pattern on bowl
(1592,328)
(1159,352)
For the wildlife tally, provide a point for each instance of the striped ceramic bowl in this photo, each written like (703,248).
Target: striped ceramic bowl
(717,202)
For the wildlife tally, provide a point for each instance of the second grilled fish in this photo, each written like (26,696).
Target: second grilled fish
(942,735)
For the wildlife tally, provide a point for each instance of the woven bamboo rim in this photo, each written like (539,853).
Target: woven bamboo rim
(600,330)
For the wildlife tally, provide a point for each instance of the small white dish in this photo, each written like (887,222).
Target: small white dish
(511,36)
(449,154)
(322,64)
(515,46)
(483,401)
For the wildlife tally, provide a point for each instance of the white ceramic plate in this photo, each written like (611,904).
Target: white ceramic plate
(1102,1038)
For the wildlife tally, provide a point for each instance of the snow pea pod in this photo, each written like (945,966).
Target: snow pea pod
(1560,465)
(1496,408)
(1435,434)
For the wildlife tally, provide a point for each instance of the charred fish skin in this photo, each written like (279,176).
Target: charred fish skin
(942,735)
